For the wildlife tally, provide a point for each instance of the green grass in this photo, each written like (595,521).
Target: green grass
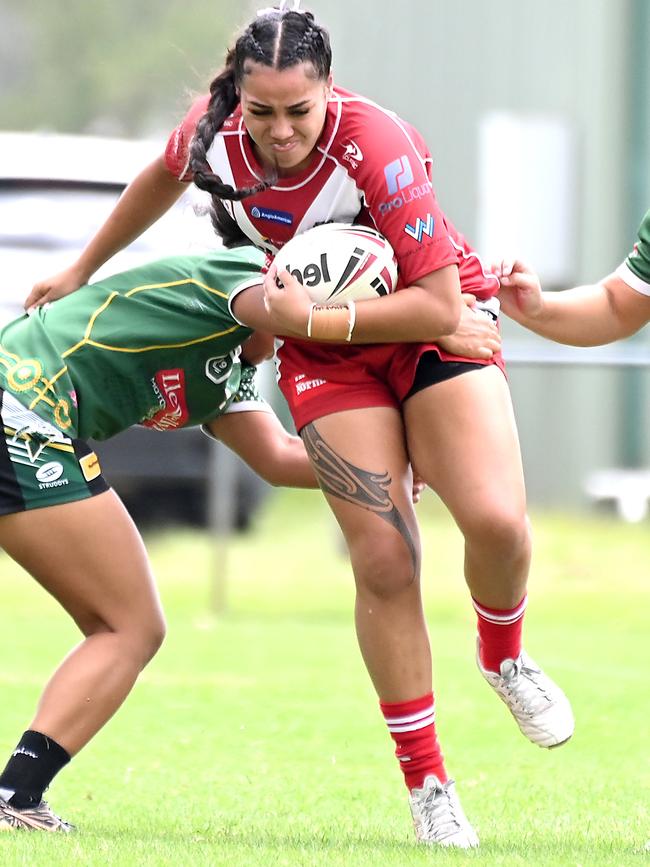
(255,738)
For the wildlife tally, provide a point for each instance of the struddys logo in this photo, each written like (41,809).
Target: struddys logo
(49,475)
(400,185)
(169,389)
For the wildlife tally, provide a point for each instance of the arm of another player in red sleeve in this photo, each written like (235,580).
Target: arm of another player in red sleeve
(177,152)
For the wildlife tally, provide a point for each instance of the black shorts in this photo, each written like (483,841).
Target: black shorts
(432,369)
(39,465)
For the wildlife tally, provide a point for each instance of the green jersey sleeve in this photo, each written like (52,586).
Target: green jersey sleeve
(635,271)
(247,398)
(248,395)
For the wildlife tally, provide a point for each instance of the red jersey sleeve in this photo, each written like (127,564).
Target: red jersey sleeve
(177,152)
(394,177)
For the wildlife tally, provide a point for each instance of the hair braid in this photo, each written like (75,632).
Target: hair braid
(223,100)
(278,38)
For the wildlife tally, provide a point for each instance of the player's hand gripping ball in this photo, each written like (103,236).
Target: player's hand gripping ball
(337,262)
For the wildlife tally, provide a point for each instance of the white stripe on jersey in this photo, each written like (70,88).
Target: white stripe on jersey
(339,200)
(633,280)
(219,161)
(217,155)
(502,619)
(241,132)
(474,255)
(394,118)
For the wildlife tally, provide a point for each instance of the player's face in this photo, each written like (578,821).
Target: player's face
(284,113)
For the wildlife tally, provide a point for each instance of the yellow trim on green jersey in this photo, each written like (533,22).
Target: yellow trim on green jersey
(156,345)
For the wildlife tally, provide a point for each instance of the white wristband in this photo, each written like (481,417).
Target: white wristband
(309,318)
(353,318)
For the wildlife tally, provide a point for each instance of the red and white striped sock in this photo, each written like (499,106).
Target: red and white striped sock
(499,633)
(412,726)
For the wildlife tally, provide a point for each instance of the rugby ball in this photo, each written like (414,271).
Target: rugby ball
(338,262)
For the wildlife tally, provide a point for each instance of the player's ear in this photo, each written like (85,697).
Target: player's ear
(329,84)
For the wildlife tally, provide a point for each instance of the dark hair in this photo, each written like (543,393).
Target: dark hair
(278,39)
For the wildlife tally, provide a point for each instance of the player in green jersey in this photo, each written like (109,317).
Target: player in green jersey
(614,308)
(155,345)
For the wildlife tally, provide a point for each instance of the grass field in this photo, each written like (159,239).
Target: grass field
(255,738)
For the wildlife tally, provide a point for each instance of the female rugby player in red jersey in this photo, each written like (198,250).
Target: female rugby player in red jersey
(280,148)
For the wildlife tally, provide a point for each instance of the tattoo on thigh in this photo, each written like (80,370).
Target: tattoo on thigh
(341,479)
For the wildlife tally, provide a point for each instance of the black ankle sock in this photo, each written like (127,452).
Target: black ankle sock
(33,765)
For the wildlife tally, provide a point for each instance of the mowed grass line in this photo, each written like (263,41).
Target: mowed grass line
(255,739)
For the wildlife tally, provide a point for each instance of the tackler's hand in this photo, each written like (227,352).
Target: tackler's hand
(54,287)
(520,292)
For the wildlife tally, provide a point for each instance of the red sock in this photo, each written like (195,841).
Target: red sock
(499,633)
(412,727)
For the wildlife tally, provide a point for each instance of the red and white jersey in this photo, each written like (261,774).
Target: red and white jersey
(369,167)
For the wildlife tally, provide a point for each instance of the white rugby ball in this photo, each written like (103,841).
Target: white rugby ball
(339,262)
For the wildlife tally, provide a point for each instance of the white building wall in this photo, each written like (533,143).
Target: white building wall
(443,66)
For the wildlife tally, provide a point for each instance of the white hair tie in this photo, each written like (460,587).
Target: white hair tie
(284,6)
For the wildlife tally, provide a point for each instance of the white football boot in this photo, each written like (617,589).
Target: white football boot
(438,816)
(539,706)
(40,818)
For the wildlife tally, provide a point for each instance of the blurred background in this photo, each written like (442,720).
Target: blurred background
(538,117)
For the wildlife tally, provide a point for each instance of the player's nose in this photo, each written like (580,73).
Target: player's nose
(281,130)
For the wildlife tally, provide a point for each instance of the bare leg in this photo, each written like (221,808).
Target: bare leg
(90,557)
(475,466)
(463,440)
(361,462)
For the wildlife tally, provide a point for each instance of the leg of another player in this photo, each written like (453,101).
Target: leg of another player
(89,556)
(360,460)
(463,440)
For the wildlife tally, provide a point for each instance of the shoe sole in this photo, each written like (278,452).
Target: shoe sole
(559,743)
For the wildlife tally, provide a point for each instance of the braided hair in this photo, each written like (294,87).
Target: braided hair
(277,38)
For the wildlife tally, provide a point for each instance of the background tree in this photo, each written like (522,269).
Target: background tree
(109,66)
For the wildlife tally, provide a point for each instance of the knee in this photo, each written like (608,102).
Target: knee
(151,638)
(504,531)
(137,640)
(385,568)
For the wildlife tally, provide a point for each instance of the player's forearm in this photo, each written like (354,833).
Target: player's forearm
(287,465)
(411,315)
(143,202)
(260,440)
(588,315)
(419,313)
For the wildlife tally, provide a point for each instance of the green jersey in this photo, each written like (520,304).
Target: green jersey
(635,271)
(156,345)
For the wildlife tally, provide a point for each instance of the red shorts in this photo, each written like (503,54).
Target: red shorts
(317,380)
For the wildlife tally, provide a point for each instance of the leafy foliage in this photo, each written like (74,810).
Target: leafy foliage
(108,66)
